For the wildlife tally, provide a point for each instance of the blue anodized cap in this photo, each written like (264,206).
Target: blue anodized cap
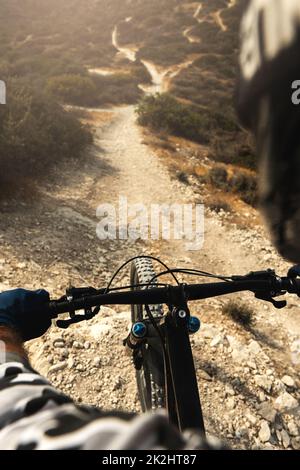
(194,325)
(139,330)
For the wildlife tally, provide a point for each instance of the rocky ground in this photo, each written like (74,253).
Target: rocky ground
(249,379)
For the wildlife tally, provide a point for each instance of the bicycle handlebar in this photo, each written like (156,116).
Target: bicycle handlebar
(265,289)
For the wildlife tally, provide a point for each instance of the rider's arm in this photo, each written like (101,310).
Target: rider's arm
(11,345)
(34,415)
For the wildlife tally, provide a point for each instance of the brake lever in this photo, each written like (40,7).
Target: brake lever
(64,324)
(267,297)
(88,315)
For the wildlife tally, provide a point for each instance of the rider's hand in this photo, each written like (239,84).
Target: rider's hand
(24,311)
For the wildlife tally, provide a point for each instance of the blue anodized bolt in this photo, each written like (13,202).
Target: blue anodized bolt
(194,325)
(139,330)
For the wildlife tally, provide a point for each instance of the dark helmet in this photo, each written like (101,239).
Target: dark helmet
(269,104)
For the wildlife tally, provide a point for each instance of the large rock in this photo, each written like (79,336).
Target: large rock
(209,331)
(202,374)
(254,348)
(295,352)
(230,403)
(288,381)
(285,439)
(266,411)
(97,361)
(264,382)
(217,340)
(58,367)
(286,403)
(240,352)
(251,418)
(59,342)
(293,429)
(296,443)
(264,432)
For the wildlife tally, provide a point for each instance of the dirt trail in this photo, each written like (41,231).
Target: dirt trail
(128,52)
(219,20)
(187,34)
(238,370)
(215,17)
(138,175)
(52,242)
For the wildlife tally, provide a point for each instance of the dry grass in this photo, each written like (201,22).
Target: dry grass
(176,153)
(219,205)
(98,118)
(240,313)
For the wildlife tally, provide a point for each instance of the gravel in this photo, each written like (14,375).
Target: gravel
(286,403)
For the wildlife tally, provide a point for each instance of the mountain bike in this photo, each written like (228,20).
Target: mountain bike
(159,339)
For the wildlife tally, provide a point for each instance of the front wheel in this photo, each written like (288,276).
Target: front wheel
(150,375)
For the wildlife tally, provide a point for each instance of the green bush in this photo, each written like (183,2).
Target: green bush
(35,133)
(218,176)
(95,90)
(183,177)
(218,205)
(163,112)
(165,53)
(73,89)
(245,184)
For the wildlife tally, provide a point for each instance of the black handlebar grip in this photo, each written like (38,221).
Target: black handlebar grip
(52,309)
(296,283)
(291,285)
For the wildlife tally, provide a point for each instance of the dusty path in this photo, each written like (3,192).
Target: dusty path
(52,243)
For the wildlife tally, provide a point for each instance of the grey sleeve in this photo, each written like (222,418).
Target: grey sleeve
(34,415)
